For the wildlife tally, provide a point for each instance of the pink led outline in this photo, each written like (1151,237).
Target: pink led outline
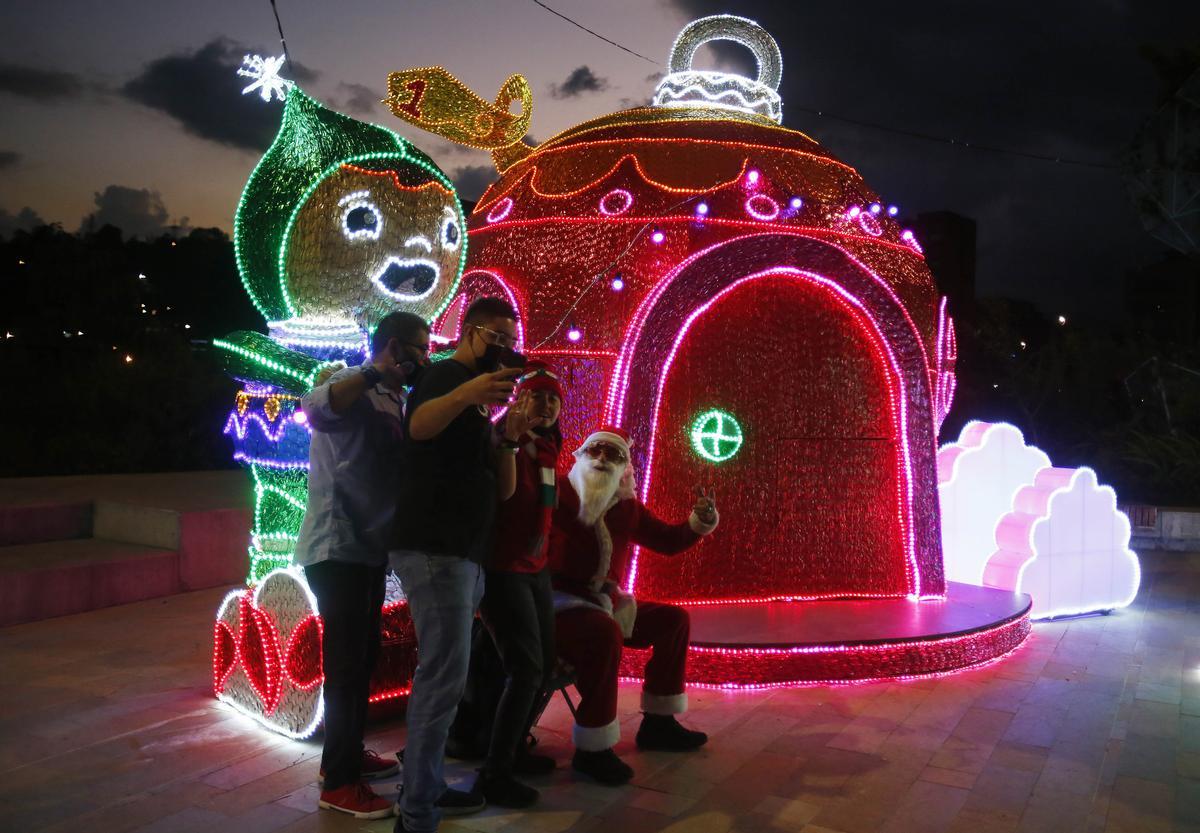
(911,241)
(994,632)
(620,192)
(947,351)
(765,216)
(572,353)
(868,222)
(615,401)
(504,206)
(913,575)
(508,291)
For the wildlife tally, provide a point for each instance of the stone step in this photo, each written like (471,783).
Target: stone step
(34,523)
(57,578)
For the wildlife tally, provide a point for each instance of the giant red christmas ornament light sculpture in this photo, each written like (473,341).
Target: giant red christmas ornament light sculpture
(740,301)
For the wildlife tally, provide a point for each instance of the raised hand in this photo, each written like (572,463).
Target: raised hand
(706,505)
(518,420)
(490,388)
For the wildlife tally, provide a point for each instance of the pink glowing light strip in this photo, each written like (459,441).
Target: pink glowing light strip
(615,404)
(709,220)
(625,206)
(765,214)
(860,680)
(500,210)
(512,299)
(570,353)
(913,574)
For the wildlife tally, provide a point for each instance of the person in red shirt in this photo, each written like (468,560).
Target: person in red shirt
(597,522)
(517,606)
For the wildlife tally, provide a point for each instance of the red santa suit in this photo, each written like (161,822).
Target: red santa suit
(595,618)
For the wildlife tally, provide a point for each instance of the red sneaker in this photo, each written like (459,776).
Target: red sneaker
(358,800)
(374,767)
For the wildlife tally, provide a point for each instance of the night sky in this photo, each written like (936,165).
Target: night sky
(131,111)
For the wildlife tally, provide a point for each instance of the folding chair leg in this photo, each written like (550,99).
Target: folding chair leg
(567,697)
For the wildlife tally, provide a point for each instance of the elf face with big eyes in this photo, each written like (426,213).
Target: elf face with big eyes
(365,244)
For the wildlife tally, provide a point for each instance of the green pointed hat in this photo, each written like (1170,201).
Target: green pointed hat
(313,141)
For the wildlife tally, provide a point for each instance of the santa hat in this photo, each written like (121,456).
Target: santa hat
(539,376)
(610,434)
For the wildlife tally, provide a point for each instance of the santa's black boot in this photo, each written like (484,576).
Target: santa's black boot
(604,766)
(662,732)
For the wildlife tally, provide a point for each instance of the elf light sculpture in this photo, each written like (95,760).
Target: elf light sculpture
(762,281)
(340,223)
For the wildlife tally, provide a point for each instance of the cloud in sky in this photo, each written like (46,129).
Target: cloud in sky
(581,80)
(359,99)
(472,180)
(202,92)
(139,212)
(42,85)
(23,220)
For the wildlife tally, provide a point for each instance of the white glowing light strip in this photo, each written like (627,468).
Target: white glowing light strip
(419,240)
(354,202)
(377,278)
(687,88)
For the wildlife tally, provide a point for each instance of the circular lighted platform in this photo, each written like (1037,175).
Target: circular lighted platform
(796,643)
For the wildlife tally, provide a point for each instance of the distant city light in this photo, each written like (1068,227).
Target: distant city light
(1062,319)
(187,326)
(128,359)
(1023,345)
(142,276)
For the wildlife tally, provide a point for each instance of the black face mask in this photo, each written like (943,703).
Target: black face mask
(413,372)
(489,362)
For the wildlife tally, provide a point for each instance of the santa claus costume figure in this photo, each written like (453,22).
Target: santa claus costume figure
(597,522)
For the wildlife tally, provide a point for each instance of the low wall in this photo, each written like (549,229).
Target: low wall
(1174,529)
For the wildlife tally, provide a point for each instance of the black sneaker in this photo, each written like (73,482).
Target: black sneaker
(604,766)
(527,763)
(662,732)
(461,803)
(506,791)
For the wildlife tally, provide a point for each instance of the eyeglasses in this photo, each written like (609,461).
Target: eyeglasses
(603,450)
(499,339)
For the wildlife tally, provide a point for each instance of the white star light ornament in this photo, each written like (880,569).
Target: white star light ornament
(265,72)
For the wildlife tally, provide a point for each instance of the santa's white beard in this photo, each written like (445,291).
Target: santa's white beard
(596,483)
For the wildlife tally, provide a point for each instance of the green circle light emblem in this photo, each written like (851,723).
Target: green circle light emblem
(716,435)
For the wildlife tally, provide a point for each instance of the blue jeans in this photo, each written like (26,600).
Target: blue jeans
(443,593)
